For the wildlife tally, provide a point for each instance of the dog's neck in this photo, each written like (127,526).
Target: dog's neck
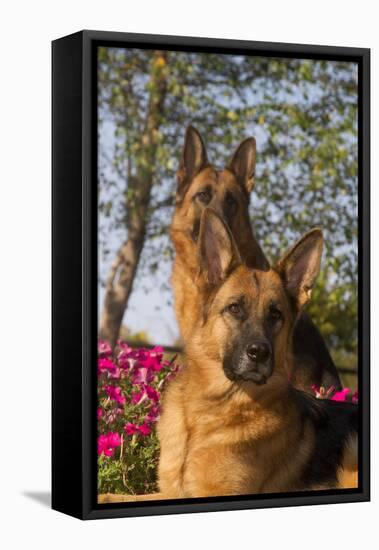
(248,412)
(210,383)
(186,253)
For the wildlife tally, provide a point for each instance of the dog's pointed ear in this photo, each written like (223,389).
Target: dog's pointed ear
(243,163)
(300,266)
(194,159)
(218,253)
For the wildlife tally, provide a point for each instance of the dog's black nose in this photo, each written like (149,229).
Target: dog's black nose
(259,352)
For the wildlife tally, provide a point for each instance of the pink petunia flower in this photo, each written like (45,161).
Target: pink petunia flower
(138,397)
(102,446)
(157,354)
(130,428)
(106,443)
(144,429)
(124,347)
(152,393)
(124,360)
(106,365)
(103,347)
(341,395)
(147,392)
(142,375)
(114,392)
(151,359)
(99,412)
(112,415)
(114,439)
(153,414)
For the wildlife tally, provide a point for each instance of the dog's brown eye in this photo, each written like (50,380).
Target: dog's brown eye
(204,196)
(235,309)
(275,314)
(230,200)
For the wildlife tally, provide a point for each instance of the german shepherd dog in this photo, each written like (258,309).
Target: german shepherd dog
(232,423)
(228,192)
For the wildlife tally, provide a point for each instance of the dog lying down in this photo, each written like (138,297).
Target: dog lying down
(231,422)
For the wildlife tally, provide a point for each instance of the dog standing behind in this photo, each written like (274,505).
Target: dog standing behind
(227,191)
(231,421)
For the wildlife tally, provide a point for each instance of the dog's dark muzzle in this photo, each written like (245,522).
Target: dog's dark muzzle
(254,364)
(257,366)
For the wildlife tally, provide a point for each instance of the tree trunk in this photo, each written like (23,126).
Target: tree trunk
(119,282)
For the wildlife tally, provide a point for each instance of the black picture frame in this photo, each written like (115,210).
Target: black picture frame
(74,273)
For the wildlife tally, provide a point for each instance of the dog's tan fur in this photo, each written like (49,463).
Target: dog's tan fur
(348,472)
(220,437)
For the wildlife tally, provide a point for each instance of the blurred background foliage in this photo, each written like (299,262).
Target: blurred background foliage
(303,114)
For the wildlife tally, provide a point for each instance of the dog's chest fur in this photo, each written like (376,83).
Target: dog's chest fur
(228,444)
(233,447)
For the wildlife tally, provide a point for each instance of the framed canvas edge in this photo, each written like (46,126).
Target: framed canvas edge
(192,42)
(67,365)
(89,508)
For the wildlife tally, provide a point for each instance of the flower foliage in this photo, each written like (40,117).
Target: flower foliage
(130,382)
